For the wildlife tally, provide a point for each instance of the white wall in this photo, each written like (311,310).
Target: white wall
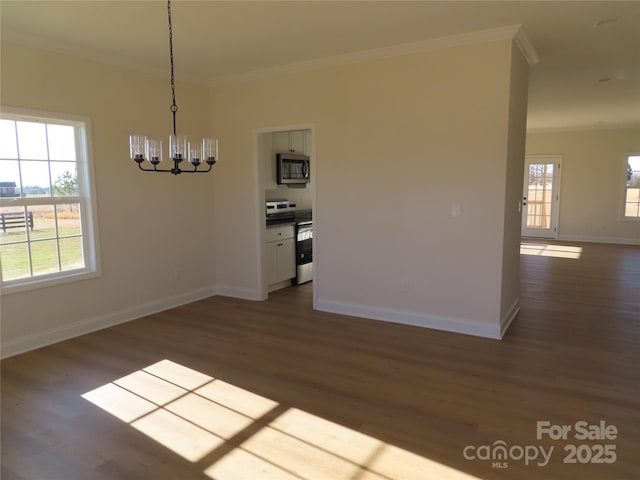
(518,96)
(592,181)
(398,142)
(156,231)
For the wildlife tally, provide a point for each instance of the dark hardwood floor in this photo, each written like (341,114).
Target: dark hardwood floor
(375,400)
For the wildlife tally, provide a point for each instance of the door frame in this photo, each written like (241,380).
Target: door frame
(262,287)
(554,221)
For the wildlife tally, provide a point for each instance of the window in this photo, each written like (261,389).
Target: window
(632,188)
(46,206)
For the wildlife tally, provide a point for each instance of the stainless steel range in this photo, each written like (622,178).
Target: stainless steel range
(283,212)
(304,247)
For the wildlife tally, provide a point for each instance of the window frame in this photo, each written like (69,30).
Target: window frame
(85,198)
(623,202)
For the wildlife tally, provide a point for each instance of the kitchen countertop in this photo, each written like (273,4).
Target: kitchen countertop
(304,215)
(283,223)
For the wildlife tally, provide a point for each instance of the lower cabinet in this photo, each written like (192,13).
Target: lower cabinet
(280,255)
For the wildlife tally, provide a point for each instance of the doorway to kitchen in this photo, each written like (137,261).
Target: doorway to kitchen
(541,196)
(283,209)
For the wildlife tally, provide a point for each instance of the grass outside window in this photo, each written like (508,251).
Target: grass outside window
(54,244)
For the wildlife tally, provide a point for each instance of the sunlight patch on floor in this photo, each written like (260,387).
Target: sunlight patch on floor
(183,437)
(186,411)
(352,445)
(237,399)
(244,436)
(179,375)
(119,402)
(549,250)
(241,465)
(150,387)
(209,415)
(298,444)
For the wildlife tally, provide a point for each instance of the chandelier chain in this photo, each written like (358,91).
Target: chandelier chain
(174,107)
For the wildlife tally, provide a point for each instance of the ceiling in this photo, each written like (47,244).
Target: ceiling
(588,75)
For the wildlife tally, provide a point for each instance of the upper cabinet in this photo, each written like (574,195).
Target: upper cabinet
(294,141)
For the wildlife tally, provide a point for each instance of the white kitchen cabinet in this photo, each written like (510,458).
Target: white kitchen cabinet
(280,256)
(293,141)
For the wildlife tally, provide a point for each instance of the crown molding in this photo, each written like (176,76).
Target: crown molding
(585,128)
(514,32)
(526,47)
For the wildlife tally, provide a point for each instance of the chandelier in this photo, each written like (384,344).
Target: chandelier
(143,148)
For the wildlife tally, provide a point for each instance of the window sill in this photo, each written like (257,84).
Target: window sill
(25,285)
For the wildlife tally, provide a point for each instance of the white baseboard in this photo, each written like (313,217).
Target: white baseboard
(509,316)
(238,292)
(595,239)
(456,325)
(279,286)
(55,335)
(59,334)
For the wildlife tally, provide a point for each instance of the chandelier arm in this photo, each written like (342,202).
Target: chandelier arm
(154,169)
(195,170)
(175,170)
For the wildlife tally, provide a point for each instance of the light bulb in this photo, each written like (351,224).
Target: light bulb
(178,147)
(210,150)
(154,151)
(137,147)
(195,154)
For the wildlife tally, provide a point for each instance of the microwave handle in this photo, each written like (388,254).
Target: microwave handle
(305,169)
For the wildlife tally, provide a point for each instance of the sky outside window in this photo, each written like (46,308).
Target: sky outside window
(47,151)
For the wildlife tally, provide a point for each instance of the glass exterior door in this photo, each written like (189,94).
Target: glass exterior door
(541,196)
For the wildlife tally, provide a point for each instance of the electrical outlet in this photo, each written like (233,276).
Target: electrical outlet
(455,210)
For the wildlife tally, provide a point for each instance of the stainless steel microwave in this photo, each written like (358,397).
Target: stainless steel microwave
(292,168)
